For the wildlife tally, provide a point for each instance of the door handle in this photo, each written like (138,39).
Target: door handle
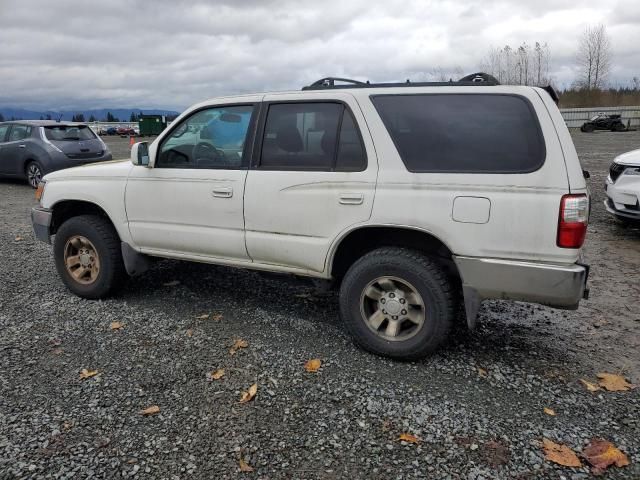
(222,192)
(351,198)
(22,146)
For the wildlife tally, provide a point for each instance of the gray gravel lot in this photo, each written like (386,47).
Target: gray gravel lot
(342,422)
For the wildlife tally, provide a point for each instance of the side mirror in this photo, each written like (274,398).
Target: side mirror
(140,154)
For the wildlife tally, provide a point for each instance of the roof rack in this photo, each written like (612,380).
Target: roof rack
(475,79)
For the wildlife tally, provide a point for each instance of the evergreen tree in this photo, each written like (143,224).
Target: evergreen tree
(80,117)
(48,116)
(1,118)
(133,117)
(73,119)
(41,117)
(92,118)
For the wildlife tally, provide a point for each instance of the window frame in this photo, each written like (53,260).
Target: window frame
(528,104)
(247,153)
(6,133)
(256,162)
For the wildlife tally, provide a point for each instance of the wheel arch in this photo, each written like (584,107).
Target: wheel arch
(360,240)
(66,209)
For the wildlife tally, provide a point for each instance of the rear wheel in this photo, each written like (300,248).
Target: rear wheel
(619,127)
(588,128)
(88,256)
(33,172)
(398,303)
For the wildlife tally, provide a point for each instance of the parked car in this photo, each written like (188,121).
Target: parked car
(623,187)
(31,149)
(125,131)
(111,131)
(604,122)
(410,198)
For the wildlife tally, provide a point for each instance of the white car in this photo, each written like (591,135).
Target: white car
(623,187)
(411,198)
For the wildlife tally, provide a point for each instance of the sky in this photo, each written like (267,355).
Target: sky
(171,53)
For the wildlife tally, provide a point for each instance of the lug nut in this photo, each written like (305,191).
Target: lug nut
(402,300)
(395,317)
(383,301)
(392,295)
(404,312)
(384,311)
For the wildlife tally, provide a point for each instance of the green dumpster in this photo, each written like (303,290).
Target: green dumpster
(151,125)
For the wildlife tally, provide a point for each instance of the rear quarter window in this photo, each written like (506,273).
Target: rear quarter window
(463,133)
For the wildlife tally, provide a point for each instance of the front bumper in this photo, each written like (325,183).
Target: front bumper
(623,196)
(41,220)
(555,285)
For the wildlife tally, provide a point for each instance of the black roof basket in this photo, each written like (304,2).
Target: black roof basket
(477,79)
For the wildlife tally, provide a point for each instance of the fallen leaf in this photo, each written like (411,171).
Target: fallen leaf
(189,332)
(238,344)
(173,283)
(84,373)
(602,453)
(407,437)
(18,238)
(116,325)
(549,411)
(560,454)
(152,410)
(216,317)
(495,453)
(204,316)
(482,372)
(217,375)
(249,394)
(312,366)
(592,387)
(67,425)
(614,383)
(244,466)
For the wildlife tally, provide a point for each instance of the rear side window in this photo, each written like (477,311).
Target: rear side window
(311,136)
(3,132)
(63,133)
(463,133)
(19,132)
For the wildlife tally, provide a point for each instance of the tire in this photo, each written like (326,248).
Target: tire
(588,128)
(619,127)
(95,240)
(33,172)
(409,270)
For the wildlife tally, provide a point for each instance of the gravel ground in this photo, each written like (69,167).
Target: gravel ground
(341,422)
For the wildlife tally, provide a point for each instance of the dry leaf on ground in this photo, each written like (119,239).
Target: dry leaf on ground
(495,453)
(249,394)
(84,373)
(312,366)
(407,437)
(244,466)
(238,344)
(614,383)
(216,317)
(602,453)
(550,411)
(482,372)
(116,325)
(560,454)
(217,375)
(189,332)
(152,410)
(204,316)
(592,387)
(173,283)
(18,238)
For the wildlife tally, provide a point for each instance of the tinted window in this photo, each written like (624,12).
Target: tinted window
(3,132)
(19,132)
(463,133)
(68,133)
(311,136)
(210,138)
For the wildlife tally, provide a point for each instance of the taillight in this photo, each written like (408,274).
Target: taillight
(572,222)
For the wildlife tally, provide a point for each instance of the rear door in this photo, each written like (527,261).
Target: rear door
(314,176)
(4,130)
(15,149)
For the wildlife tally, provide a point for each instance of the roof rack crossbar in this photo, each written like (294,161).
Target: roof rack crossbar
(475,79)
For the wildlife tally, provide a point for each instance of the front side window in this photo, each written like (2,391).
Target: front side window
(19,132)
(311,136)
(210,138)
(463,133)
(68,133)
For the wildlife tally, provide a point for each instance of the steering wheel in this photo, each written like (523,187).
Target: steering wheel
(204,151)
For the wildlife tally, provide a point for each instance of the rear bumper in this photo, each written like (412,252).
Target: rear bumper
(41,220)
(555,285)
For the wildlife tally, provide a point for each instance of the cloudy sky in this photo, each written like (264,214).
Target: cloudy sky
(169,53)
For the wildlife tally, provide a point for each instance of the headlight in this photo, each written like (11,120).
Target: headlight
(40,190)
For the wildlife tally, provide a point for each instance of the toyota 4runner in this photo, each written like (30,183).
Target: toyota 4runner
(413,198)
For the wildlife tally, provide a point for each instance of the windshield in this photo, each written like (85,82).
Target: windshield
(68,132)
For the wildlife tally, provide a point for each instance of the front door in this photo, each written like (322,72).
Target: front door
(313,177)
(189,204)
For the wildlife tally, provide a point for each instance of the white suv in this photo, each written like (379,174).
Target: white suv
(411,197)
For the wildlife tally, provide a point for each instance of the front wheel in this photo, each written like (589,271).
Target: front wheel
(397,303)
(88,256)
